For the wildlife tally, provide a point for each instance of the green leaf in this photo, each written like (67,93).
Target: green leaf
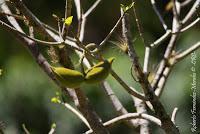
(53,125)
(55,100)
(68,21)
(57,93)
(126,8)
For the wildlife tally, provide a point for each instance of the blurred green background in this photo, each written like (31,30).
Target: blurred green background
(25,90)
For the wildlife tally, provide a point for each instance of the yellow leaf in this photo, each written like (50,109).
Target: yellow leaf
(55,100)
(68,21)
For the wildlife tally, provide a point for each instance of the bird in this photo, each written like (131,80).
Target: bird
(68,77)
(99,72)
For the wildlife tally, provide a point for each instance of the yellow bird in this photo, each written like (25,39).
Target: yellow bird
(68,77)
(98,72)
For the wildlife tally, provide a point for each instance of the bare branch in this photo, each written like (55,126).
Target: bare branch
(78,8)
(68,8)
(147,48)
(186,2)
(185,53)
(173,61)
(82,29)
(111,32)
(79,115)
(139,27)
(141,108)
(130,116)
(146,59)
(176,26)
(4,8)
(190,25)
(35,22)
(25,129)
(132,54)
(117,104)
(83,18)
(130,90)
(162,81)
(167,124)
(174,113)
(161,39)
(191,12)
(176,7)
(13,15)
(91,9)
(26,36)
(37,40)
(88,112)
(53,129)
(153,3)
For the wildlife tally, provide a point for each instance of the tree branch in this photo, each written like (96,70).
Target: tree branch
(160,112)
(191,12)
(117,104)
(130,116)
(153,3)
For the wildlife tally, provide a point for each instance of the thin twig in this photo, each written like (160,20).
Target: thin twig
(174,113)
(84,19)
(78,8)
(162,81)
(147,48)
(153,3)
(79,15)
(68,7)
(128,117)
(88,112)
(48,43)
(132,116)
(13,15)
(161,39)
(111,32)
(26,36)
(146,59)
(190,25)
(82,29)
(138,23)
(53,130)
(91,9)
(25,129)
(188,51)
(78,114)
(191,12)
(34,21)
(50,28)
(130,90)
(186,2)
(175,9)
(117,104)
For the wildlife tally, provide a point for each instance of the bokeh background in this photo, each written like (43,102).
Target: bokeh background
(25,90)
